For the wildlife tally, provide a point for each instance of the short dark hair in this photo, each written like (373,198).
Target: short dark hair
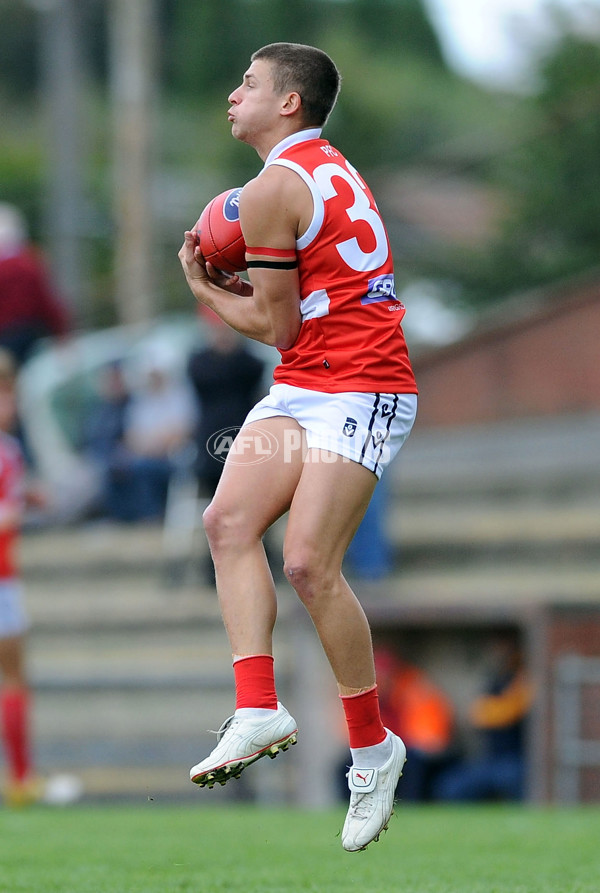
(307,71)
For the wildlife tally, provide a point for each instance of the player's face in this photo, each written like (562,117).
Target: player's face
(254,104)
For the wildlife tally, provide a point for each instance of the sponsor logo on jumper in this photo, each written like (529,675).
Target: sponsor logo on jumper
(350,426)
(231,206)
(329,150)
(381,288)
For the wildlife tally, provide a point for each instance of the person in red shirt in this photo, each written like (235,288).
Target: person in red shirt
(29,306)
(321,290)
(21,786)
(415,707)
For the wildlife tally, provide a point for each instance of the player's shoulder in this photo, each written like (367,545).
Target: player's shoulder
(270,180)
(275,185)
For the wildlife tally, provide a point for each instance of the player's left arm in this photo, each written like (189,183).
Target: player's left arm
(267,308)
(271,213)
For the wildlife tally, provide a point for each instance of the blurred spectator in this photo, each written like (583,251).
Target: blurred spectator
(21,786)
(413,707)
(499,716)
(29,309)
(226,379)
(104,435)
(157,422)
(370,554)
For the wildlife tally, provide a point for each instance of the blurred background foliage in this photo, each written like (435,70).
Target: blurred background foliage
(485,192)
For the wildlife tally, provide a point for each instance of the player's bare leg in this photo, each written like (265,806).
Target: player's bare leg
(252,494)
(327,497)
(329,503)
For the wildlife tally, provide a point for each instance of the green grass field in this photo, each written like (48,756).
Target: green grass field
(167,849)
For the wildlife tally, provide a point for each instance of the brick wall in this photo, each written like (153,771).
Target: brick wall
(570,631)
(541,358)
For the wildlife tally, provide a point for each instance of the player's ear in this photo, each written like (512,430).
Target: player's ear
(292,104)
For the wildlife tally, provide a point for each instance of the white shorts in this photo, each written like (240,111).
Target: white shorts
(13,620)
(363,427)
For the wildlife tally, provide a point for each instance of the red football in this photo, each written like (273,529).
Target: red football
(221,239)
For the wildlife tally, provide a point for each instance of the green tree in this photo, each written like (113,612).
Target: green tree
(206,45)
(397,27)
(552,179)
(18,61)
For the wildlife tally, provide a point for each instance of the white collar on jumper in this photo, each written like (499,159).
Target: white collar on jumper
(301,136)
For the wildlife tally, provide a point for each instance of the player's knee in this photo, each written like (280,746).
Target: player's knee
(307,573)
(218,526)
(300,576)
(227,527)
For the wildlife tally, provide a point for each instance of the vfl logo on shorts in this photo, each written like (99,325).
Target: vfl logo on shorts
(379,437)
(350,426)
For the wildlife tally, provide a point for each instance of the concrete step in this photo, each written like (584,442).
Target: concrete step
(485,522)
(106,549)
(124,671)
(556,456)
(525,531)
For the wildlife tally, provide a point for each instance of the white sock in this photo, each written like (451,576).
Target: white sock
(372,757)
(254,713)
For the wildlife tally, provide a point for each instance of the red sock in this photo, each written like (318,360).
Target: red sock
(14,716)
(363,719)
(255,682)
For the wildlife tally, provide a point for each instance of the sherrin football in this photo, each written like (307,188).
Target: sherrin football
(221,239)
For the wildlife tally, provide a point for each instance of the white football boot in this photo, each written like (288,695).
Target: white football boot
(372,799)
(241,741)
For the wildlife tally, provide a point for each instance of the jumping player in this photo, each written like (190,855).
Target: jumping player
(343,402)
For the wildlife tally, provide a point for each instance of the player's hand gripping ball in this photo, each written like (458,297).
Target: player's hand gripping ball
(221,240)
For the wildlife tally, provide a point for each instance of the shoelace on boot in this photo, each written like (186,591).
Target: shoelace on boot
(228,724)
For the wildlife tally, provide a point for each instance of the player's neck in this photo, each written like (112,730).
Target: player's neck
(267,142)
